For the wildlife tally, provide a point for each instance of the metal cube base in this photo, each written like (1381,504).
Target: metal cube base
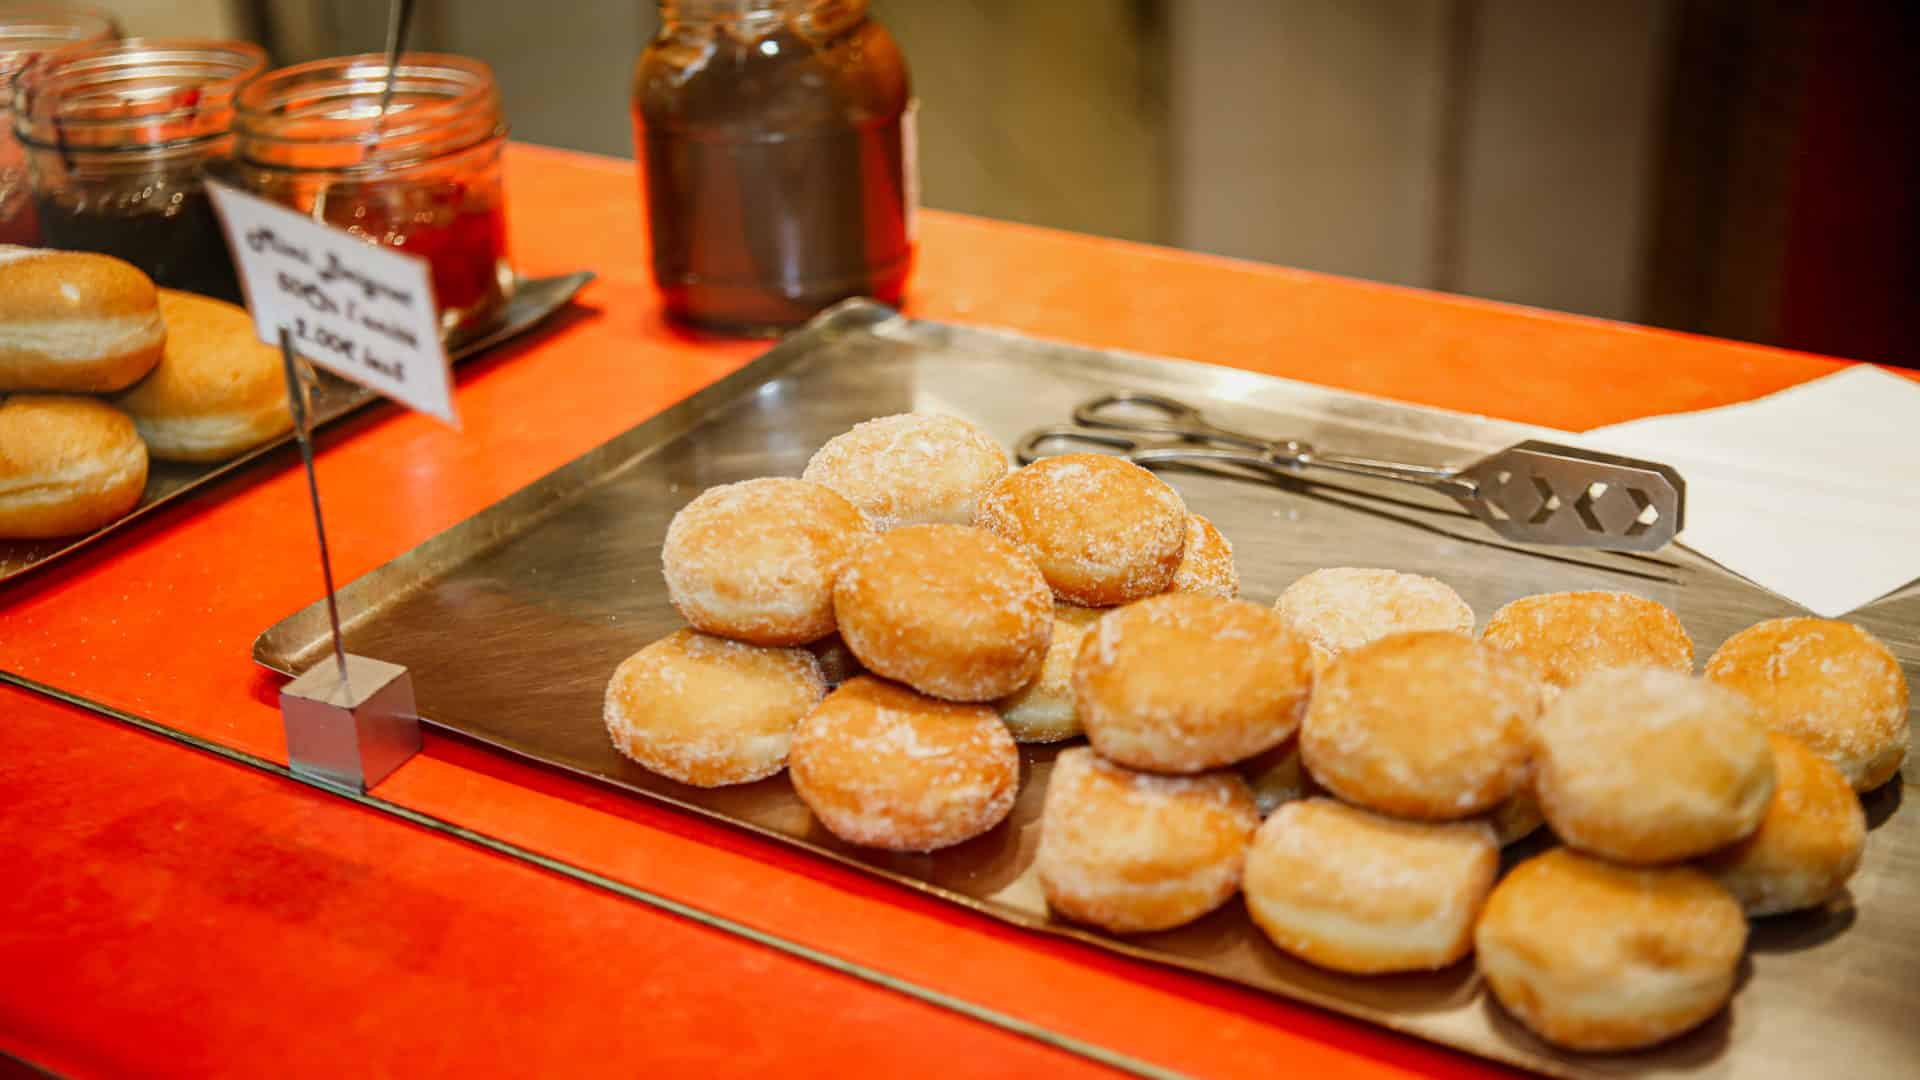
(350,736)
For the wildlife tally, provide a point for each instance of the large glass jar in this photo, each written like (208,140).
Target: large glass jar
(119,137)
(422,176)
(27,30)
(775,142)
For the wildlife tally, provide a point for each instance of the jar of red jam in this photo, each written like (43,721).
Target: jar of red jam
(775,140)
(421,176)
(119,138)
(26,31)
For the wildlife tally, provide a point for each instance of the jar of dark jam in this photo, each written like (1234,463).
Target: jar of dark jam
(119,137)
(775,145)
(26,31)
(422,177)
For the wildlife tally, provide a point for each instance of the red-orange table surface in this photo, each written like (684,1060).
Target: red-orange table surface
(168,911)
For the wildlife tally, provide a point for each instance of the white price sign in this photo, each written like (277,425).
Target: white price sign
(361,311)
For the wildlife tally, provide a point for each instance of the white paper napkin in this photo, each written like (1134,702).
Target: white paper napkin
(1813,492)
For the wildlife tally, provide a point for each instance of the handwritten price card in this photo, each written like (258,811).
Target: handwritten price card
(364,312)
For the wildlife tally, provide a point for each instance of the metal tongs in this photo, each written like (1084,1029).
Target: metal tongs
(1532,493)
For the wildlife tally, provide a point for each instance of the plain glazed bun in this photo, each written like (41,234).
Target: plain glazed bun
(1206,563)
(75,321)
(1042,711)
(68,465)
(1645,765)
(1806,847)
(1104,531)
(883,767)
(707,711)
(217,390)
(756,561)
(1344,607)
(1183,683)
(1133,852)
(1594,956)
(1827,683)
(911,469)
(1357,892)
(1571,635)
(952,611)
(1430,725)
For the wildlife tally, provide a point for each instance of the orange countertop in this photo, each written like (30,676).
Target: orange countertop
(171,911)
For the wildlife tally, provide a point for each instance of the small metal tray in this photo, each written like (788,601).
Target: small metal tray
(534,301)
(513,620)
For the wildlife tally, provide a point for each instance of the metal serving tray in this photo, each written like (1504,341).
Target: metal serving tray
(513,620)
(534,301)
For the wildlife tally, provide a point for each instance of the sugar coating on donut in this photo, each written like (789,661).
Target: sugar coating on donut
(1183,682)
(1104,531)
(1356,891)
(1133,852)
(950,610)
(1430,725)
(911,469)
(756,561)
(1206,562)
(1808,844)
(1829,684)
(884,767)
(1343,607)
(1571,635)
(707,711)
(1595,956)
(1042,711)
(1646,765)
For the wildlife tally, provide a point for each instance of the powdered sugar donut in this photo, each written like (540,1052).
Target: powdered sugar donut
(1133,852)
(1571,635)
(1182,682)
(1042,711)
(1430,725)
(756,561)
(951,611)
(884,767)
(1206,562)
(1808,844)
(1344,607)
(707,711)
(1827,683)
(1354,891)
(911,469)
(1645,765)
(1104,531)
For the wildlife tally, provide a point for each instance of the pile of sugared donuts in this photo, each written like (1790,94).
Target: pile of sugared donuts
(958,608)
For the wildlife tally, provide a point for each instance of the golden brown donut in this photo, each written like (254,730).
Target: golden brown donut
(1430,725)
(707,711)
(1343,607)
(217,390)
(67,465)
(911,469)
(1808,844)
(1134,852)
(884,767)
(1594,956)
(756,561)
(1827,683)
(952,611)
(1042,711)
(1104,531)
(1645,765)
(1181,683)
(1571,635)
(1354,891)
(74,321)
(1206,562)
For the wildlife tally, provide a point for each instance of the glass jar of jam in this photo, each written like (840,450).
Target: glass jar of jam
(422,176)
(27,30)
(119,137)
(775,145)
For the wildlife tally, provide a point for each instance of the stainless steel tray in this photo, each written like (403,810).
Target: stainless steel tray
(512,621)
(534,301)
